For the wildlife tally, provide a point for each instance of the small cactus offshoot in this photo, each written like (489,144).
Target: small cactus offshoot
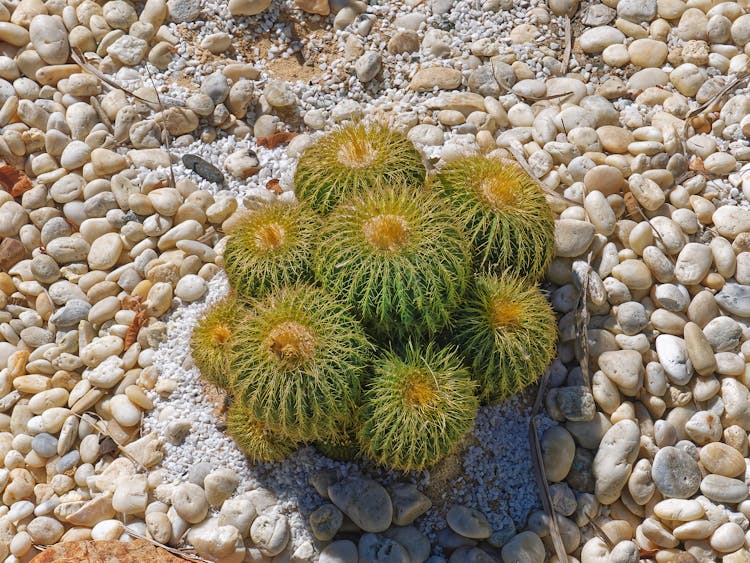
(507,332)
(398,257)
(213,337)
(254,438)
(298,360)
(270,247)
(417,407)
(504,212)
(351,160)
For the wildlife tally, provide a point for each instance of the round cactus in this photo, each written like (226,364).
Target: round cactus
(254,438)
(417,407)
(398,257)
(351,160)
(344,449)
(298,360)
(270,247)
(213,337)
(504,212)
(508,332)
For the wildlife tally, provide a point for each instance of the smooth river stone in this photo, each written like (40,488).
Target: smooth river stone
(731,220)
(735,298)
(722,459)
(105,251)
(693,263)
(364,501)
(674,359)
(614,460)
(675,473)
(723,489)
(683,510)
(699,350)
(624,367)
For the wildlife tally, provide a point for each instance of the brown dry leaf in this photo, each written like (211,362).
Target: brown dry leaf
(141,317)
(105,551)
(274,186)
(131,302)
(700,124)
(696,165)
(15,182)
(631,204)
(273,141)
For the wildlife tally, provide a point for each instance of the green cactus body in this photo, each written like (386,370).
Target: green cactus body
(352,159)
(345,449)
(417,407)
(504,212)
(507,331)
(398,257)
(270,247)
(298,361)
(212,340)
(254,438)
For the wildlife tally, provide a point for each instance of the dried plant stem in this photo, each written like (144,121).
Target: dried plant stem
(539,474)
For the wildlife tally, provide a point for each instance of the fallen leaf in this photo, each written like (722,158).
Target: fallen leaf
(134,551)
(14,181)
(276,139)
(631,204)
(131,302)
(274,185)
(131,335)
(696,165)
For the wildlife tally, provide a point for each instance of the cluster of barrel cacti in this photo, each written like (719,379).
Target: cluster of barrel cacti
(374,315)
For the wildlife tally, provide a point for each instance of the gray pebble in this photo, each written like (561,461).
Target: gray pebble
(675,473)
(44,444)
(68,461)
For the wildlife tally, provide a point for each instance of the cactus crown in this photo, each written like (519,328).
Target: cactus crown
(507,332)
(351,160)
(298,362)
(504,212)
(397,256)
(357,151)
(417,407)
(270,247)
(212,339)
(293,344)
(386,232)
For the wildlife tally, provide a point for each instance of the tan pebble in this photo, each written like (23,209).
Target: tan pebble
(142,289)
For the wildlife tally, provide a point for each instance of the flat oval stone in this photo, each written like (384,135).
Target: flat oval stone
(735,298)
(723,489)
(675,473)
(468,522)
(614,460)
(364,501)
(722,459)
(673,358)
(105,251)
(683,510)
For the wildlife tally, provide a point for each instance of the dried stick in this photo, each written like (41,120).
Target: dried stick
(539,474)
(568,45)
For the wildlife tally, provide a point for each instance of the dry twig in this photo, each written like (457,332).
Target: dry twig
(739,79)
(95,421)
(539,474)
(568,45)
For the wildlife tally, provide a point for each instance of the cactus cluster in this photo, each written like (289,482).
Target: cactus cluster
(375,315)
